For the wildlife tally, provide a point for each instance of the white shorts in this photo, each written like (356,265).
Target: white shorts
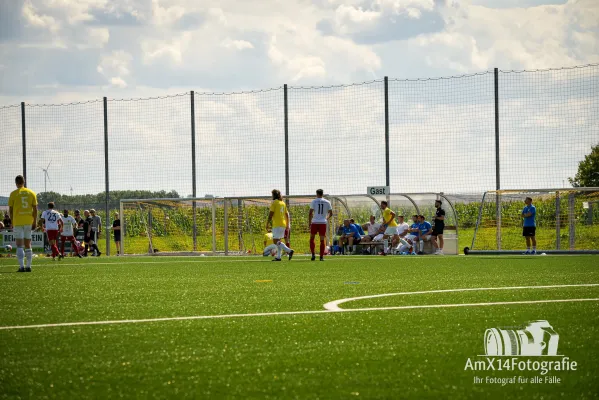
(378,238)
(391,231)
(270,250)
(22,232)
(426,238)
(411,237)
(278,233)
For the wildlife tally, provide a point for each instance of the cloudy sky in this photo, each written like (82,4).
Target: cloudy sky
(62,51)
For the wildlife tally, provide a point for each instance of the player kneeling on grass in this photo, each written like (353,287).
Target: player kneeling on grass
(278,218)
(52,221)
(22,207)
(270,249)
(321,212)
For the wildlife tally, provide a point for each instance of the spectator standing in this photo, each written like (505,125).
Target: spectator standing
(87,229)
(7,221)
(96,230)
(439,225)
(116,229)
(529,226)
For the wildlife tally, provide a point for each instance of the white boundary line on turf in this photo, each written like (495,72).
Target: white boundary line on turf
(334,305)
(325,311)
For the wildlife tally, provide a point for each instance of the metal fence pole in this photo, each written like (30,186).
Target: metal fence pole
(387,167)
(286,121)
(226,218)
(558,239)
(193,171)
(213,226)
(497,165)
(107,188)
(572,219)
(24,142)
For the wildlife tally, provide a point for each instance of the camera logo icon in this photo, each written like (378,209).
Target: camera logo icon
(537,338)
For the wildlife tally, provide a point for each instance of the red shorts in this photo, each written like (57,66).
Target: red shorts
(52,234)
(69,238)
(320,229)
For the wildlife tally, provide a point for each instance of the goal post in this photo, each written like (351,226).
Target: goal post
(567,221)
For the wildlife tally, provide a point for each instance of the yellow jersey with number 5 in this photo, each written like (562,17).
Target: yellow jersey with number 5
(22,202)
(279,217)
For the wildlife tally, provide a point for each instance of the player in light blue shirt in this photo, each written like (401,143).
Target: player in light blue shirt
(351,236)
(529,226)
(358,227)
(425,229)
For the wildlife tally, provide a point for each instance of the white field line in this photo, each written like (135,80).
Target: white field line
(325,311)
(209,259)
(334,305)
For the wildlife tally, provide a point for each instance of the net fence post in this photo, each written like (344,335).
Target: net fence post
(387,174)
(24,142)
(572,220)
(123,227)
(240,225)
(557,221)
(213,226)
(193,171)
(106,180)
(286,122)
(497,165)
(226,217)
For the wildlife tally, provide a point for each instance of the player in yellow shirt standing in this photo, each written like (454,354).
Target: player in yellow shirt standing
(22,207)
(390,226)
(278,218)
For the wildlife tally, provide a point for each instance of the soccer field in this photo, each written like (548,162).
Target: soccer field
(204,327)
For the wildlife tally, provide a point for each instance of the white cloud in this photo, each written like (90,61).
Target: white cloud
(39,20)
(237,44)
(94,38)
(171,50)
(115,67)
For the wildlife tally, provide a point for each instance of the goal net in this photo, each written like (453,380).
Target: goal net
(168,225)
(566,220)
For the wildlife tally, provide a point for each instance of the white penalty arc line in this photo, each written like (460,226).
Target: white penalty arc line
(334,305)
(224,316)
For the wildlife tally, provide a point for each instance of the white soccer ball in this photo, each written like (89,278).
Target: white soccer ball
(543,254)
(8,247)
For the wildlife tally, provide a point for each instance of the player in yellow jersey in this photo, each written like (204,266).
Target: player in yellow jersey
(278,219)
(22,207)
(390,226)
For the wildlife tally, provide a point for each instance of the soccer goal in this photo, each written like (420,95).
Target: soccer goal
(177,225)
(567,221)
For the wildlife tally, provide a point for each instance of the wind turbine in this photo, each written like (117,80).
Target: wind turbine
(46,176)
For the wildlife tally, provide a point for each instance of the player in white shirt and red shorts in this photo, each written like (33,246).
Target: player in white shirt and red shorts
(67,233)
(52,223)
(320,213)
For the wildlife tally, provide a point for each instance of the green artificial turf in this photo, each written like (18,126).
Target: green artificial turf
(406,353)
